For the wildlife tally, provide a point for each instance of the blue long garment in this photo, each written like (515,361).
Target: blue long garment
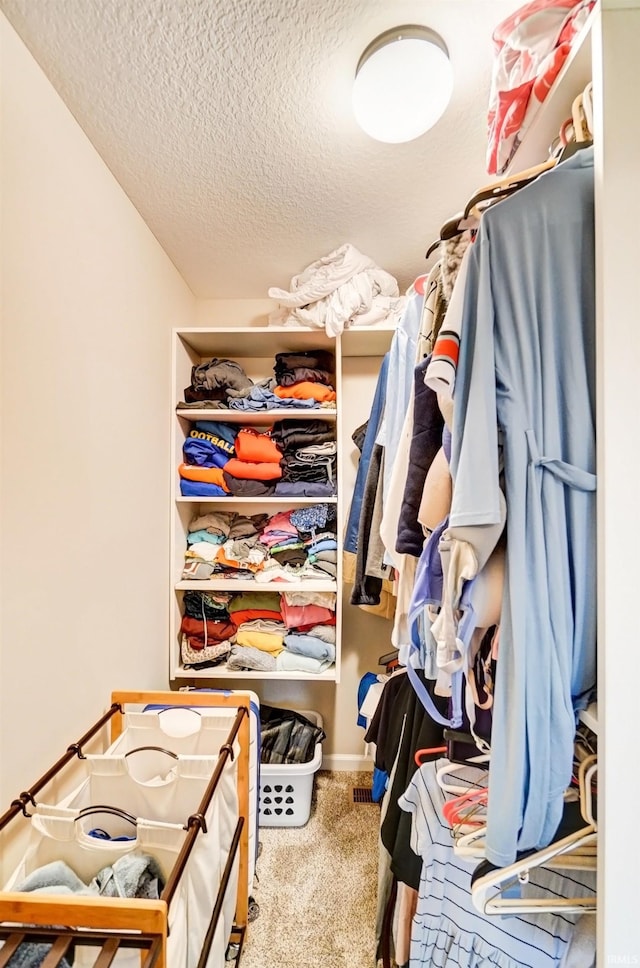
(527,357)
(426,440)
(402,361)
(377,408)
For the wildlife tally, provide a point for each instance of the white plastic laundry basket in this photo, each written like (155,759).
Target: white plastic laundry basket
(286,788)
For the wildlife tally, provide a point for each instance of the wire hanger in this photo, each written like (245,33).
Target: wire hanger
(432,248)
(156,749)
(428,751)
(580,124)
(450,769)
(106,808)
(576,851)
(504,187)
(467,810)
(452,227)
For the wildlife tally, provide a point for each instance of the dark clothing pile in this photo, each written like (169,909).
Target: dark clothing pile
(309,456)
(314,366)
(305,376)
(287,736)
(217,380)
(206,630)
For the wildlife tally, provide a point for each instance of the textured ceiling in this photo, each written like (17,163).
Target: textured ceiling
(228,123)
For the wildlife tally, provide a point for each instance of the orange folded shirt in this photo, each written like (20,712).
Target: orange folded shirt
(222,559)
(209,475)
(247,471)
(306,391)
(253,446)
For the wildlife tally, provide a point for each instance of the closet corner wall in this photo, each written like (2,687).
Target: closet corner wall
(616,55)
(86,286)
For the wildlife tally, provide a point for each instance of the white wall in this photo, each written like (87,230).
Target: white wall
(365,637)
(88,301)
(616,44)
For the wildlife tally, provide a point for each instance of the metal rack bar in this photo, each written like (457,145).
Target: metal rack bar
(28,796)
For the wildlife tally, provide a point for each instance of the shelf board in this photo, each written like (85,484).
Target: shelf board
(250,585)
(223,673)
(266,341)
(572,79)
(589,717)
(257,417)
(257,500)
(238,342)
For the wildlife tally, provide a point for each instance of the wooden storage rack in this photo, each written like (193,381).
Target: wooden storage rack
(114,924)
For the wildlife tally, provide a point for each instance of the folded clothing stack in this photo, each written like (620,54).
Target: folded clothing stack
(295,458)
(310,642)
(319,539)
(216,382)
(306,375)
(256,466)
(288,546)
(220,542)
(259,631)
(209,447)
(292,632)
(206,631)
(302,383)
(309,457)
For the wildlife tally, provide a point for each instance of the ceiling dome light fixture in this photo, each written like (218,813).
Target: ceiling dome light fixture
(403,84)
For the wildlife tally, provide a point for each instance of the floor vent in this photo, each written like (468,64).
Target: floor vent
(362,795)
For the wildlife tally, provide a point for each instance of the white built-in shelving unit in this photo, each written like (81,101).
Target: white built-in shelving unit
(254,348)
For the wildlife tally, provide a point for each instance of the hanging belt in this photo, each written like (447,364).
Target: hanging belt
(421,691)
(568,474)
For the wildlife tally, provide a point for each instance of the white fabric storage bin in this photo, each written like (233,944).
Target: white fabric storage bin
(59,834)
(198,730)
(286,788)
(169,789)
(180,729)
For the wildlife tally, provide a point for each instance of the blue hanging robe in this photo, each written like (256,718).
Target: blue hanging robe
(526,383)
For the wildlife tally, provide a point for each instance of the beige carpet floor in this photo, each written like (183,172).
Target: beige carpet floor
(317,884)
